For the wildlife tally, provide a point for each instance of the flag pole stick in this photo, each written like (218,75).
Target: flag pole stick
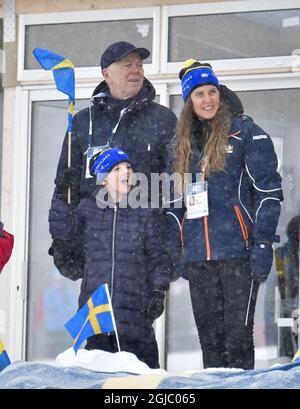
(113,317)
(69,162)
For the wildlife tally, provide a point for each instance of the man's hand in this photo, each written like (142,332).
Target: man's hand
(69,179)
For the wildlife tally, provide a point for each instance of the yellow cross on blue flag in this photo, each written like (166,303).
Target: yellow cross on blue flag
(4,359)
(63,73)
(95,317)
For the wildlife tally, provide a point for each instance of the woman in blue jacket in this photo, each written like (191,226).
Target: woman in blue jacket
(229,165)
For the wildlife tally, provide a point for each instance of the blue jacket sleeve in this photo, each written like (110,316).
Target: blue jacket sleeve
(174,205)
(63,220)
(159,265)
(261,166)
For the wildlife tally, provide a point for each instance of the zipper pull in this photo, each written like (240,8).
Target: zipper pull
(149,147)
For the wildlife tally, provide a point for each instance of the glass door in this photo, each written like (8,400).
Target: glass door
(52,299)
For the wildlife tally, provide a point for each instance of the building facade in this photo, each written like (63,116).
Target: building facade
(254,47)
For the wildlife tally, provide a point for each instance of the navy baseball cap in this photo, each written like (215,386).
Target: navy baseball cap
(119,50)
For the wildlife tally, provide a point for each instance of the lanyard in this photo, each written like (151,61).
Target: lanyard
(113,132)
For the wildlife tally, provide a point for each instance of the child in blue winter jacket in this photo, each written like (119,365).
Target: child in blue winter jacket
(123,247)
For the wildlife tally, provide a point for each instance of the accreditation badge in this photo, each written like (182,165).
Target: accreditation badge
(196,200)
(91,151)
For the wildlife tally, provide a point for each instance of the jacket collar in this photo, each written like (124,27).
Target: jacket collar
(102,98)
(104,201)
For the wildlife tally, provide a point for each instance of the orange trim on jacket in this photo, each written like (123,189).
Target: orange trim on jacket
(207,243)
(242,224)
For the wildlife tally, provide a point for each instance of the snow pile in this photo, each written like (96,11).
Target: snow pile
(285,376)
(102,361)
(35,375)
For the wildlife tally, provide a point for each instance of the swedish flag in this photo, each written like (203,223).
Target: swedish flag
(4,359)
(63,73)
(95,317)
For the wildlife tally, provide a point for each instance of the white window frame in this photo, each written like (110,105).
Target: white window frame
(86,16)
(227,7)
(250,82)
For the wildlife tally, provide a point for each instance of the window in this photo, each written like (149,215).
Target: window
(230,31)
(271,32)
(83,36)
(91,39)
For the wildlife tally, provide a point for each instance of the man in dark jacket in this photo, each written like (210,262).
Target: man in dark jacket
(122,113)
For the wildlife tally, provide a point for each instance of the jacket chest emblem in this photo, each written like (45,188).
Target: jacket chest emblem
(229,148)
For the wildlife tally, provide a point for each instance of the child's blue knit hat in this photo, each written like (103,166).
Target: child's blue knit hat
(194,74)
(104,161)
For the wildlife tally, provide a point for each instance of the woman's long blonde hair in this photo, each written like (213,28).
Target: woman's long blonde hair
(214,150)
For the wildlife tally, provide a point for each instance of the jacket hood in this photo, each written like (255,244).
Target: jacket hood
(232,100)
(101,95)
(237,122)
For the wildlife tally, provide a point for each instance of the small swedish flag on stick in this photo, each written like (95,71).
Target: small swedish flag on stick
(95,317)
(63,73)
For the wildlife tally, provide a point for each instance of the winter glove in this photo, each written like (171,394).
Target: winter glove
(61,222)
(68,258)
(261,260)
(68,179)
(156,305)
